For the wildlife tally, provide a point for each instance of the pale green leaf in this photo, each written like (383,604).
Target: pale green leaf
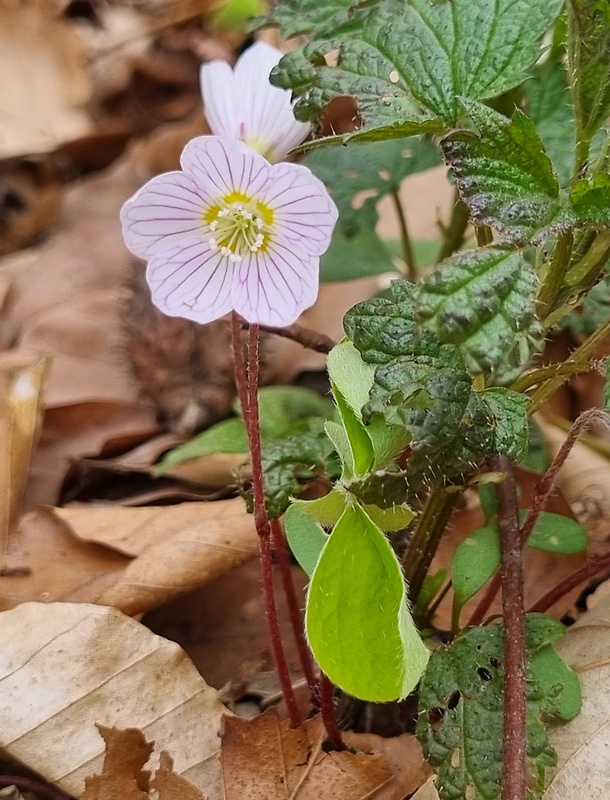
(556,533)
(305,537)
(474,562)
(357,620)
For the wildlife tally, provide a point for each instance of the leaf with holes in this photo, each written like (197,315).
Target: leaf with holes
(503,174)
(294,17)
(406,64)
(461,710)
(358,624)
(484,301)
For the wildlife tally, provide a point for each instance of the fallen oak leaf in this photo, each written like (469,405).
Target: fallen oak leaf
(65,667)
(265,759)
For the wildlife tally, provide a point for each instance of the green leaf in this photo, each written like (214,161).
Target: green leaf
(474,562)
(555,533)
(594,311)
(559,684)
(376,169)
(537,458)
(327,509)
(590,200)
(357,620)
(550,108)
(305,538)
(509,427)
(503,174)
(408,62)
(290,461)
(295,17)
(588,48)
(228,436)
(233,15)
(484,301)
(430,587)
(351,257)
(461,711)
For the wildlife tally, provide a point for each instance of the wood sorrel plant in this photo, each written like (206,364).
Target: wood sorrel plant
(435,382)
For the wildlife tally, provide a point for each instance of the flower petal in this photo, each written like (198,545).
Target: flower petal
(191,281)
(303,210)
(166,209)
(224,166)
(274,288)
(265,118)
(219,102)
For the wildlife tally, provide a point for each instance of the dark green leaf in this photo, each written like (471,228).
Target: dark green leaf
(594,311)
(461,710)
(508,421)
(537,457)
(376,169)
(402,61)
(503,174)
(294,17)
(484,301)
(555,533)
(351,257)
(588,49)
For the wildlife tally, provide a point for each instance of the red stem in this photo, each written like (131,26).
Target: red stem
(327,710)
(589,570)
(543,491)
(247,389)
(292,601)
(514,738)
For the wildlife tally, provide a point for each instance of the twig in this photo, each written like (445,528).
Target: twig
(514,738)
(304,336)
(589,570)
(407,248)
(247,388)
(327,711)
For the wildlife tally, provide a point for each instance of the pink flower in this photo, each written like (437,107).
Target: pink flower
(231,231)
(241,104)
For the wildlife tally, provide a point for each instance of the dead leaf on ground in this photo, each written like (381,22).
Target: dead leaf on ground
(583,744)
(265,759)
(124,777)
(133,559)
(65,667)
(427,791)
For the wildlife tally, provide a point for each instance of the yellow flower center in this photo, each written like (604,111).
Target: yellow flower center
(238,225)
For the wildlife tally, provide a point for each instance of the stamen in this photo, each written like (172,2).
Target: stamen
(238,228)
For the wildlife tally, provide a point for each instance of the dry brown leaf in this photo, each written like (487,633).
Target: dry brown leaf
(65,667)
(42,103)
(583,744)
(427,791)
(21,383)
(265,759)
(133,559)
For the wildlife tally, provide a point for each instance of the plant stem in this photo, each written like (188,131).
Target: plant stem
(454,234)
(514,738)
(552,282)
(567,368)
(428,532)
(247,387)
(589,570)
(484,235)
(310,339)
(327,711)
(581,354)
(407,248)
(292,601)
(593,261)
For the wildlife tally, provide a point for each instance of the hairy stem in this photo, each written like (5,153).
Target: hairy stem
(292,601)
(552,281)
(247,387)
(310,339)
(514,739)
(428,532)
(407,248)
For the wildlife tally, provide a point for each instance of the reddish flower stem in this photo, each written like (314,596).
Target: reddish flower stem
(514,737)
(292,601)
(31,785)
(589,570)
(247,388)
(304,336)
(543,491)
(327,711)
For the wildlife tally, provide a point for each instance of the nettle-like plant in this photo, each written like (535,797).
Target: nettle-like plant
(435,382)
